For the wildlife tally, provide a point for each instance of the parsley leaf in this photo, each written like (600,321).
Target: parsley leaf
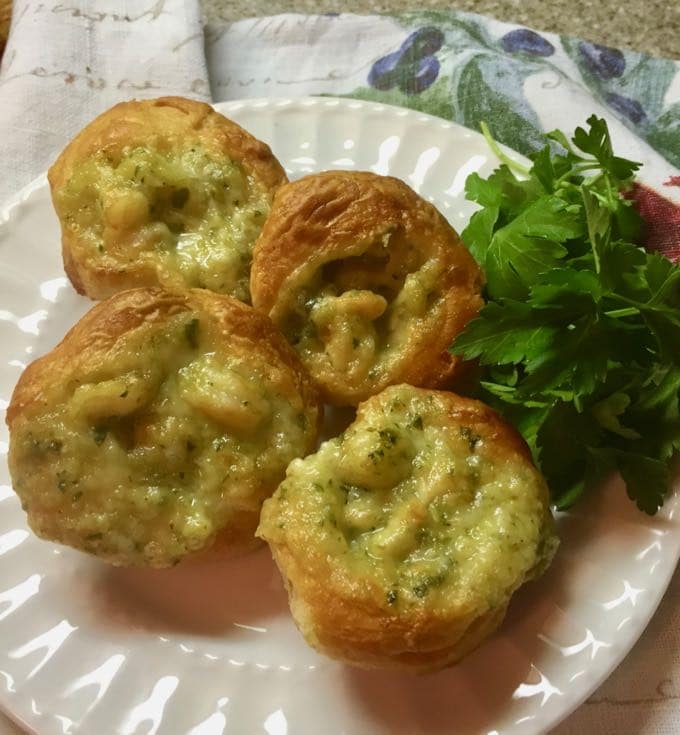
(527,246)
(507,333)
(580,336)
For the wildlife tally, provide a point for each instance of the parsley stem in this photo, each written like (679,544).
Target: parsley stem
(502,157)
(576,168)
(661,291)
(642,307)
(627,311)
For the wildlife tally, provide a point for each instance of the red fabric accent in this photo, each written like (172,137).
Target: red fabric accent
(672,181)
(662,220)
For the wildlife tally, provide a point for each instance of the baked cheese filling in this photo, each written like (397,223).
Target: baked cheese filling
(194,217)
(422,507)
(148,461)
(354,316)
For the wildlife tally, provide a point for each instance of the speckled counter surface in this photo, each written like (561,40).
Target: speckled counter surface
(652,26)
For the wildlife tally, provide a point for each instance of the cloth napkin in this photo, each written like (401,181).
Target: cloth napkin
(66,62)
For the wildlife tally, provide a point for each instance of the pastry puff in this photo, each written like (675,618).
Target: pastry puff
(402,541)
(368,282)
(158,425)
(162,192)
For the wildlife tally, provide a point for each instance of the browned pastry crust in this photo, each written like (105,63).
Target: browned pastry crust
(344,251)
(5,20)
(121,225)
(158,425)
(416,570)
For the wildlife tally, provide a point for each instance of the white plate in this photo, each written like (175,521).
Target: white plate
(205,650)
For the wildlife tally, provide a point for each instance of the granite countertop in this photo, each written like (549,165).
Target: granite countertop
(652,26)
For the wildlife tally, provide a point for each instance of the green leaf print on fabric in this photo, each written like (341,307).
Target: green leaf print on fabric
(664,134)
(634,87)
(477,80)
(478,70)
(486,91)
(436,100)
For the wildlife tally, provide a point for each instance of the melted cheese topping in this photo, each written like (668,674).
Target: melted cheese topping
(422,506)
(194,217)
(147,461)
(353,316)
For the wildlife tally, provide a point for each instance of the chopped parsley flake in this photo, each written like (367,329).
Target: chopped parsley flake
(191,332)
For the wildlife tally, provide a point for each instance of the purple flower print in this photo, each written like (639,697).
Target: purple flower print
(603,62)
(526,41)
(632,109)
(413,66)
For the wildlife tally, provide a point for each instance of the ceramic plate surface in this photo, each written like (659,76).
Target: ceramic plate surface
(210,649)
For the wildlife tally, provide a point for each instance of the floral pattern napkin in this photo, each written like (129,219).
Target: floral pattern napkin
(469,69)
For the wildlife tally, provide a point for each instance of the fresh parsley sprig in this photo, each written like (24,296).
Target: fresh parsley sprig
(580,336)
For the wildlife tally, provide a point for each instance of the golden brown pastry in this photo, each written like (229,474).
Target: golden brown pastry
(5,19)
(164,191)
(367,281)
(159,422)
(402,541)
